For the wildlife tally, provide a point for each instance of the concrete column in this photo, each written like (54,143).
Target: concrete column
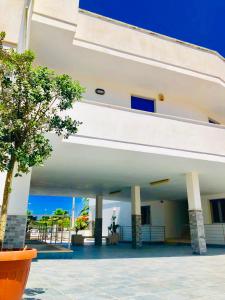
(136,216)
(98,220)
(15,230)
(197,229)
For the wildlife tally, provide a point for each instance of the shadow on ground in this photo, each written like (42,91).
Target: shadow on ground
(29,293)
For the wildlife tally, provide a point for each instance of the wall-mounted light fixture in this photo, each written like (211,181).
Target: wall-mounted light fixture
(158,182)
(100,91)
(161,97)
(115,192)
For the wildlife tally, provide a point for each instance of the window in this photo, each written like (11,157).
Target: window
(218,210)
(142,104)
(146,215)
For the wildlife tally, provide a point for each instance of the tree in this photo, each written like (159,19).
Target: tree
(61,218)
(82,221)
(60,212)
(32,103)
(30,218)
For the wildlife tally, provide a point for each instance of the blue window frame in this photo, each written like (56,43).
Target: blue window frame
(142,104)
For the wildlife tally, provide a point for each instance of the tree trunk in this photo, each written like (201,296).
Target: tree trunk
(7,190)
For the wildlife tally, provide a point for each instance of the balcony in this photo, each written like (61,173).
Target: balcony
(106,123)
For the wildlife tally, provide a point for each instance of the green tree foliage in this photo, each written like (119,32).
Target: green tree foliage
(60,212)
(33,102)
(82,221)
(61,218)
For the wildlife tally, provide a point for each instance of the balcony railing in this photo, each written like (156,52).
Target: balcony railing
(125,126)
(149,233)
(215,234)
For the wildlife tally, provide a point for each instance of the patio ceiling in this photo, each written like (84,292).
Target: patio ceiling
(81,169)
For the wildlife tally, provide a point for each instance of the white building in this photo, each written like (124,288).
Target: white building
(153,120)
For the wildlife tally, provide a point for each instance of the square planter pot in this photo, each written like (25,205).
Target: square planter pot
(113,239)
(77,239)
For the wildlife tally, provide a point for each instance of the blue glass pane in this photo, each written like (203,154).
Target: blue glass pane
(142,104)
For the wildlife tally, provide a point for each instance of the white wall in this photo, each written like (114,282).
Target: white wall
(11,15)
(19,194)
(116,94)
(171,214)
(157,212)
(206,210)
(123,213)
(60,10)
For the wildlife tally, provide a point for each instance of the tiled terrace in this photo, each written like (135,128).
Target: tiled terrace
(156,272)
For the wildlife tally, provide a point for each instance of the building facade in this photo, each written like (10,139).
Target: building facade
(153,118)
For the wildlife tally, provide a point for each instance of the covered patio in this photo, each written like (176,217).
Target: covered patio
(113,170)
(109,172)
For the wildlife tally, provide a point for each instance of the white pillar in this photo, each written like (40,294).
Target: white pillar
(197,229)
(136,200)
(193,191)
(98,220)
(15,230)
(136,216)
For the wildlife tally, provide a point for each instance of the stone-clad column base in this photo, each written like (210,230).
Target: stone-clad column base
(15,232)
(136,231)
(98,231)
(197,231)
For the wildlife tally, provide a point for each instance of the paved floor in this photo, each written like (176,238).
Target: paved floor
(155,272)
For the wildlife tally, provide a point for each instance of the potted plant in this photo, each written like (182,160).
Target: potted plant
(81,223)
(32,100)
(113,236)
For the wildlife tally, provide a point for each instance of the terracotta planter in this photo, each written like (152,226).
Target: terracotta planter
(76,239)
(14,271)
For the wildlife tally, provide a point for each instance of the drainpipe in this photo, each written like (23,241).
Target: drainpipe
(23,43)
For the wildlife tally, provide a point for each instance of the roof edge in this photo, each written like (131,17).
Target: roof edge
(149,32)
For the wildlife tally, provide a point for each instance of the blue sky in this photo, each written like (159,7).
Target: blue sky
(200,22)
(40,205)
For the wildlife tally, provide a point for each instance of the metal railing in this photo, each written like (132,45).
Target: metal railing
(149,233)
(51,234)
(215,234)
(51,229)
